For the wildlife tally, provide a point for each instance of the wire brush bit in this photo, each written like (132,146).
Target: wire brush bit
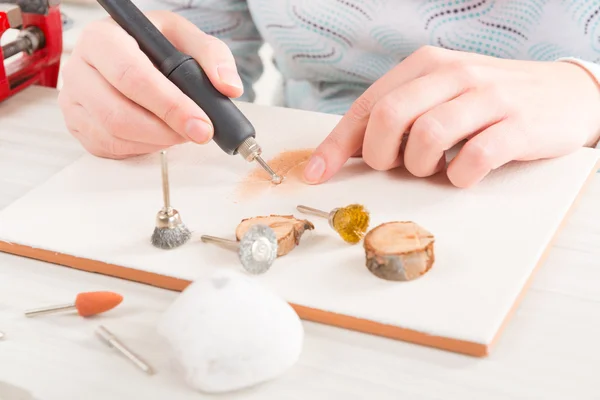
(170,231)
(257,249)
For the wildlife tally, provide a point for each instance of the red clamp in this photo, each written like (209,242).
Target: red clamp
(34,57)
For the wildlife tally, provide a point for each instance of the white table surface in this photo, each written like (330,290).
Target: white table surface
(549,349)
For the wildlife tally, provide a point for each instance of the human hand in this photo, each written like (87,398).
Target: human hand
(117,104)
(505,109)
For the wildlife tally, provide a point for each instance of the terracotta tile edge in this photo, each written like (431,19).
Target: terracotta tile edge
(305,313)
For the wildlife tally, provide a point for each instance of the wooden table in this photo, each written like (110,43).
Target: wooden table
(549,350)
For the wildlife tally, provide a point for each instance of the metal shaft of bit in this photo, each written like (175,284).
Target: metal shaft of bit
(170,231)
(165,181)
(112,341)
(217,240)
(50,310)
(319,213)
(251,151)
(274,177)
(313,211)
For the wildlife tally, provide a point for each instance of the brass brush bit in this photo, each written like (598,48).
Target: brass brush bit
(251,151)
(350,222)
(170,231)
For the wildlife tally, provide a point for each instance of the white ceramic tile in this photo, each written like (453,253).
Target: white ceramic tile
(488,238)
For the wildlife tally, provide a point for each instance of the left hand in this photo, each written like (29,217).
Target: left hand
(506,110)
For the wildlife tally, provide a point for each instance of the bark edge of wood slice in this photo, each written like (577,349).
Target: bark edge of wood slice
(288,230)
(399,251)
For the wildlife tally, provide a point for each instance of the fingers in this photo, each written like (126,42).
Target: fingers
(444,126)
(116,56)
(346,138)
(75,116)
(95,140)
(393,115)
(127,69)
(344,141)
(213,55)
(357,153)
(333,153)
(490,149)
(117,115)
(429,64)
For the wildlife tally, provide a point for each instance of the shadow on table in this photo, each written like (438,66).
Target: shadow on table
(10,392)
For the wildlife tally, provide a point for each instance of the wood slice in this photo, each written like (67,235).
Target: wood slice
(399,251)
(287,228)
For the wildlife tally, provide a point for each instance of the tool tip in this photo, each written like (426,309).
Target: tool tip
(276,179)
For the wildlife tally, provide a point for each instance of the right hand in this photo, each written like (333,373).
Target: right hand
(118,105)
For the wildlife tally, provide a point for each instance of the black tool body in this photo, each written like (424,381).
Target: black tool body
(231,127)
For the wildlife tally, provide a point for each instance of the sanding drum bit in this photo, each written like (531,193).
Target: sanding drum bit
(170,231)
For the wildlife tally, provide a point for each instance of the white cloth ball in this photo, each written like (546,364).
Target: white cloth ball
(228,332)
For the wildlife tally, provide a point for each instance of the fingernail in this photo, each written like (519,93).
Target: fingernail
(229,76)
(314,170)
(198,130)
